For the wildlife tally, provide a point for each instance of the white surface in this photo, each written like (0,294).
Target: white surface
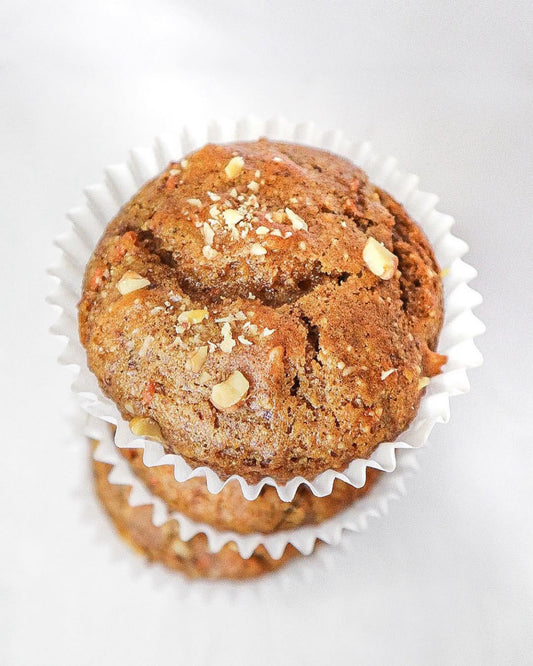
(447,577)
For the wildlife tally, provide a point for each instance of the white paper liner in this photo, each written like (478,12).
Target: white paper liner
(460,328)
(354,519)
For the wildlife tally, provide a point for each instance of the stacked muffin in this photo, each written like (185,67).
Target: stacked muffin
(263,310)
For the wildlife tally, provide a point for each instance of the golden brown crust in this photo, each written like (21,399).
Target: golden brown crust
(229,510)
(163,544)
(332,353)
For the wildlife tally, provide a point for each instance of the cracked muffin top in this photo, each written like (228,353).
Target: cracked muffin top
(263,309)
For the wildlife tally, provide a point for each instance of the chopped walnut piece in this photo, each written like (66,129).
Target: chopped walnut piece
(209,252)
(296,220)
(258,250)
(230,392)
(142,426)
(262,231)
(228,342)
(386,373)
(195,202)
(180,548)
(131,281)
(197,360)
(232,217)
(423,382)
(234,167)
(253,186)
(204,378)
(380,261)
(193,316)
(208,233)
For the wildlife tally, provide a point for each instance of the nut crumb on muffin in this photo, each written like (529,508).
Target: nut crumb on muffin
(339,299)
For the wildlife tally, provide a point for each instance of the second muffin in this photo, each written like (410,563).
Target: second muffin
(229,510)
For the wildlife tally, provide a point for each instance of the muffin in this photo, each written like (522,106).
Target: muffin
(163,544)
(263,309)
(229,510)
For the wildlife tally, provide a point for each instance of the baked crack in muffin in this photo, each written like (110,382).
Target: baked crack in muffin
(264,310)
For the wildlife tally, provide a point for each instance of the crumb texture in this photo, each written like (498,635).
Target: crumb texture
(268,308)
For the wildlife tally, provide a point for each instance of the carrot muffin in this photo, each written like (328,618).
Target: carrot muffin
(163,544)
(265,310)
(229,510)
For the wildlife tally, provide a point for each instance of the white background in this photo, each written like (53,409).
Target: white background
(447,576)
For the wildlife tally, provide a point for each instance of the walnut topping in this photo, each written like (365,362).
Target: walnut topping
(131,281)
(238,316)
(244,340)
(380,261)
(262,231)
(296,220)
(234,167)
(258,250)
(181,549)
(197,360)
(193,316)
(253,186)
(231,392)
(142,426)
(204,378)
(267,331)
(195,202)
(228,342)
(423,382)
(232,217)
(213,196)
(214,211)
(386,373)
(209,252)
(208,233)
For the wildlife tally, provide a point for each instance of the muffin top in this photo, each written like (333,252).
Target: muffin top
(264,310)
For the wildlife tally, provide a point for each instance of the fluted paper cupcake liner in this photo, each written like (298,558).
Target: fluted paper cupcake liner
(460,328)
(353,519)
